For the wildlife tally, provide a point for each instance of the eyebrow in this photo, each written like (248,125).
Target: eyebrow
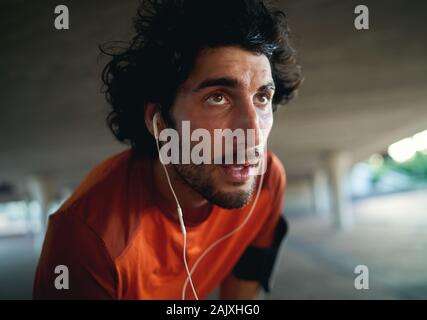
(227,82)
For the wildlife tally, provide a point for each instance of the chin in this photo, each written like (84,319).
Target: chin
(232,197)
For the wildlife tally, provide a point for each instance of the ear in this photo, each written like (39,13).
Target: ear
(149,111)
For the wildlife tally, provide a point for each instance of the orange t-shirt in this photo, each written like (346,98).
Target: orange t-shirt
(117,243)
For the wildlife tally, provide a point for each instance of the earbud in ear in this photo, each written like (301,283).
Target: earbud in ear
(156,131)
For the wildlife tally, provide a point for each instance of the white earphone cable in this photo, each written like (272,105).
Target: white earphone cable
(214,244)
(180,215)
(181,220)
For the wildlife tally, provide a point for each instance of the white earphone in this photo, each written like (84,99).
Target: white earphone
(181,219)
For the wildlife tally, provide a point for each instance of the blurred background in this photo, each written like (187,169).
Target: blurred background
(354,143)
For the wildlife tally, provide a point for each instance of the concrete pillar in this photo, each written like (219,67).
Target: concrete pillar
(339,165)
(321,193)
(41,188)
(29,226)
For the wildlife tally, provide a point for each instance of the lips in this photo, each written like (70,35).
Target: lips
(238,173)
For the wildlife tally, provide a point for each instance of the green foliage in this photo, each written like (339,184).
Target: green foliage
(415,168)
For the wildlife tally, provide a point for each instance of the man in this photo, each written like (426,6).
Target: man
(218,64)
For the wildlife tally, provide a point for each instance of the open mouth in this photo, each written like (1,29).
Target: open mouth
(250,157)
(239,172)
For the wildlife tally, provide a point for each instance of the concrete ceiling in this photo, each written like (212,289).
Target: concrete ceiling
(362,89)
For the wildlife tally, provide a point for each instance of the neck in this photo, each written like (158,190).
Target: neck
(195,208)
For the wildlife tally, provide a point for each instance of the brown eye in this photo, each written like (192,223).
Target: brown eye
(217,99)
(263,99)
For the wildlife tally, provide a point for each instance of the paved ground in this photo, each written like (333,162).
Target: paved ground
(389,237)
(317,262)
(17,264)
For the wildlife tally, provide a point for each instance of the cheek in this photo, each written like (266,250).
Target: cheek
(198,118)
(266,123)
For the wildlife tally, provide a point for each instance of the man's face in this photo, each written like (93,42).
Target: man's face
(228,88)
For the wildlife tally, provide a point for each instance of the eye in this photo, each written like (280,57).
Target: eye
(217,99)
(263,99)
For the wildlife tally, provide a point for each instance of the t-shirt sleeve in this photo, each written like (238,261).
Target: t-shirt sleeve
(258,260)
(74,263)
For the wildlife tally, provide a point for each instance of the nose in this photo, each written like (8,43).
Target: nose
(247,118)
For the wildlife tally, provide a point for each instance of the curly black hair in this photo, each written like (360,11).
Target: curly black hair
(169,35)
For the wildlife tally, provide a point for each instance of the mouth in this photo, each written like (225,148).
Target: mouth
(251,157)
(238,173)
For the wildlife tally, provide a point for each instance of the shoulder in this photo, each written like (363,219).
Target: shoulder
(106,202)
(69,238)
(101,174)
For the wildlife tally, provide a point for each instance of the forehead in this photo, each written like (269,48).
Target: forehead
(249,68)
